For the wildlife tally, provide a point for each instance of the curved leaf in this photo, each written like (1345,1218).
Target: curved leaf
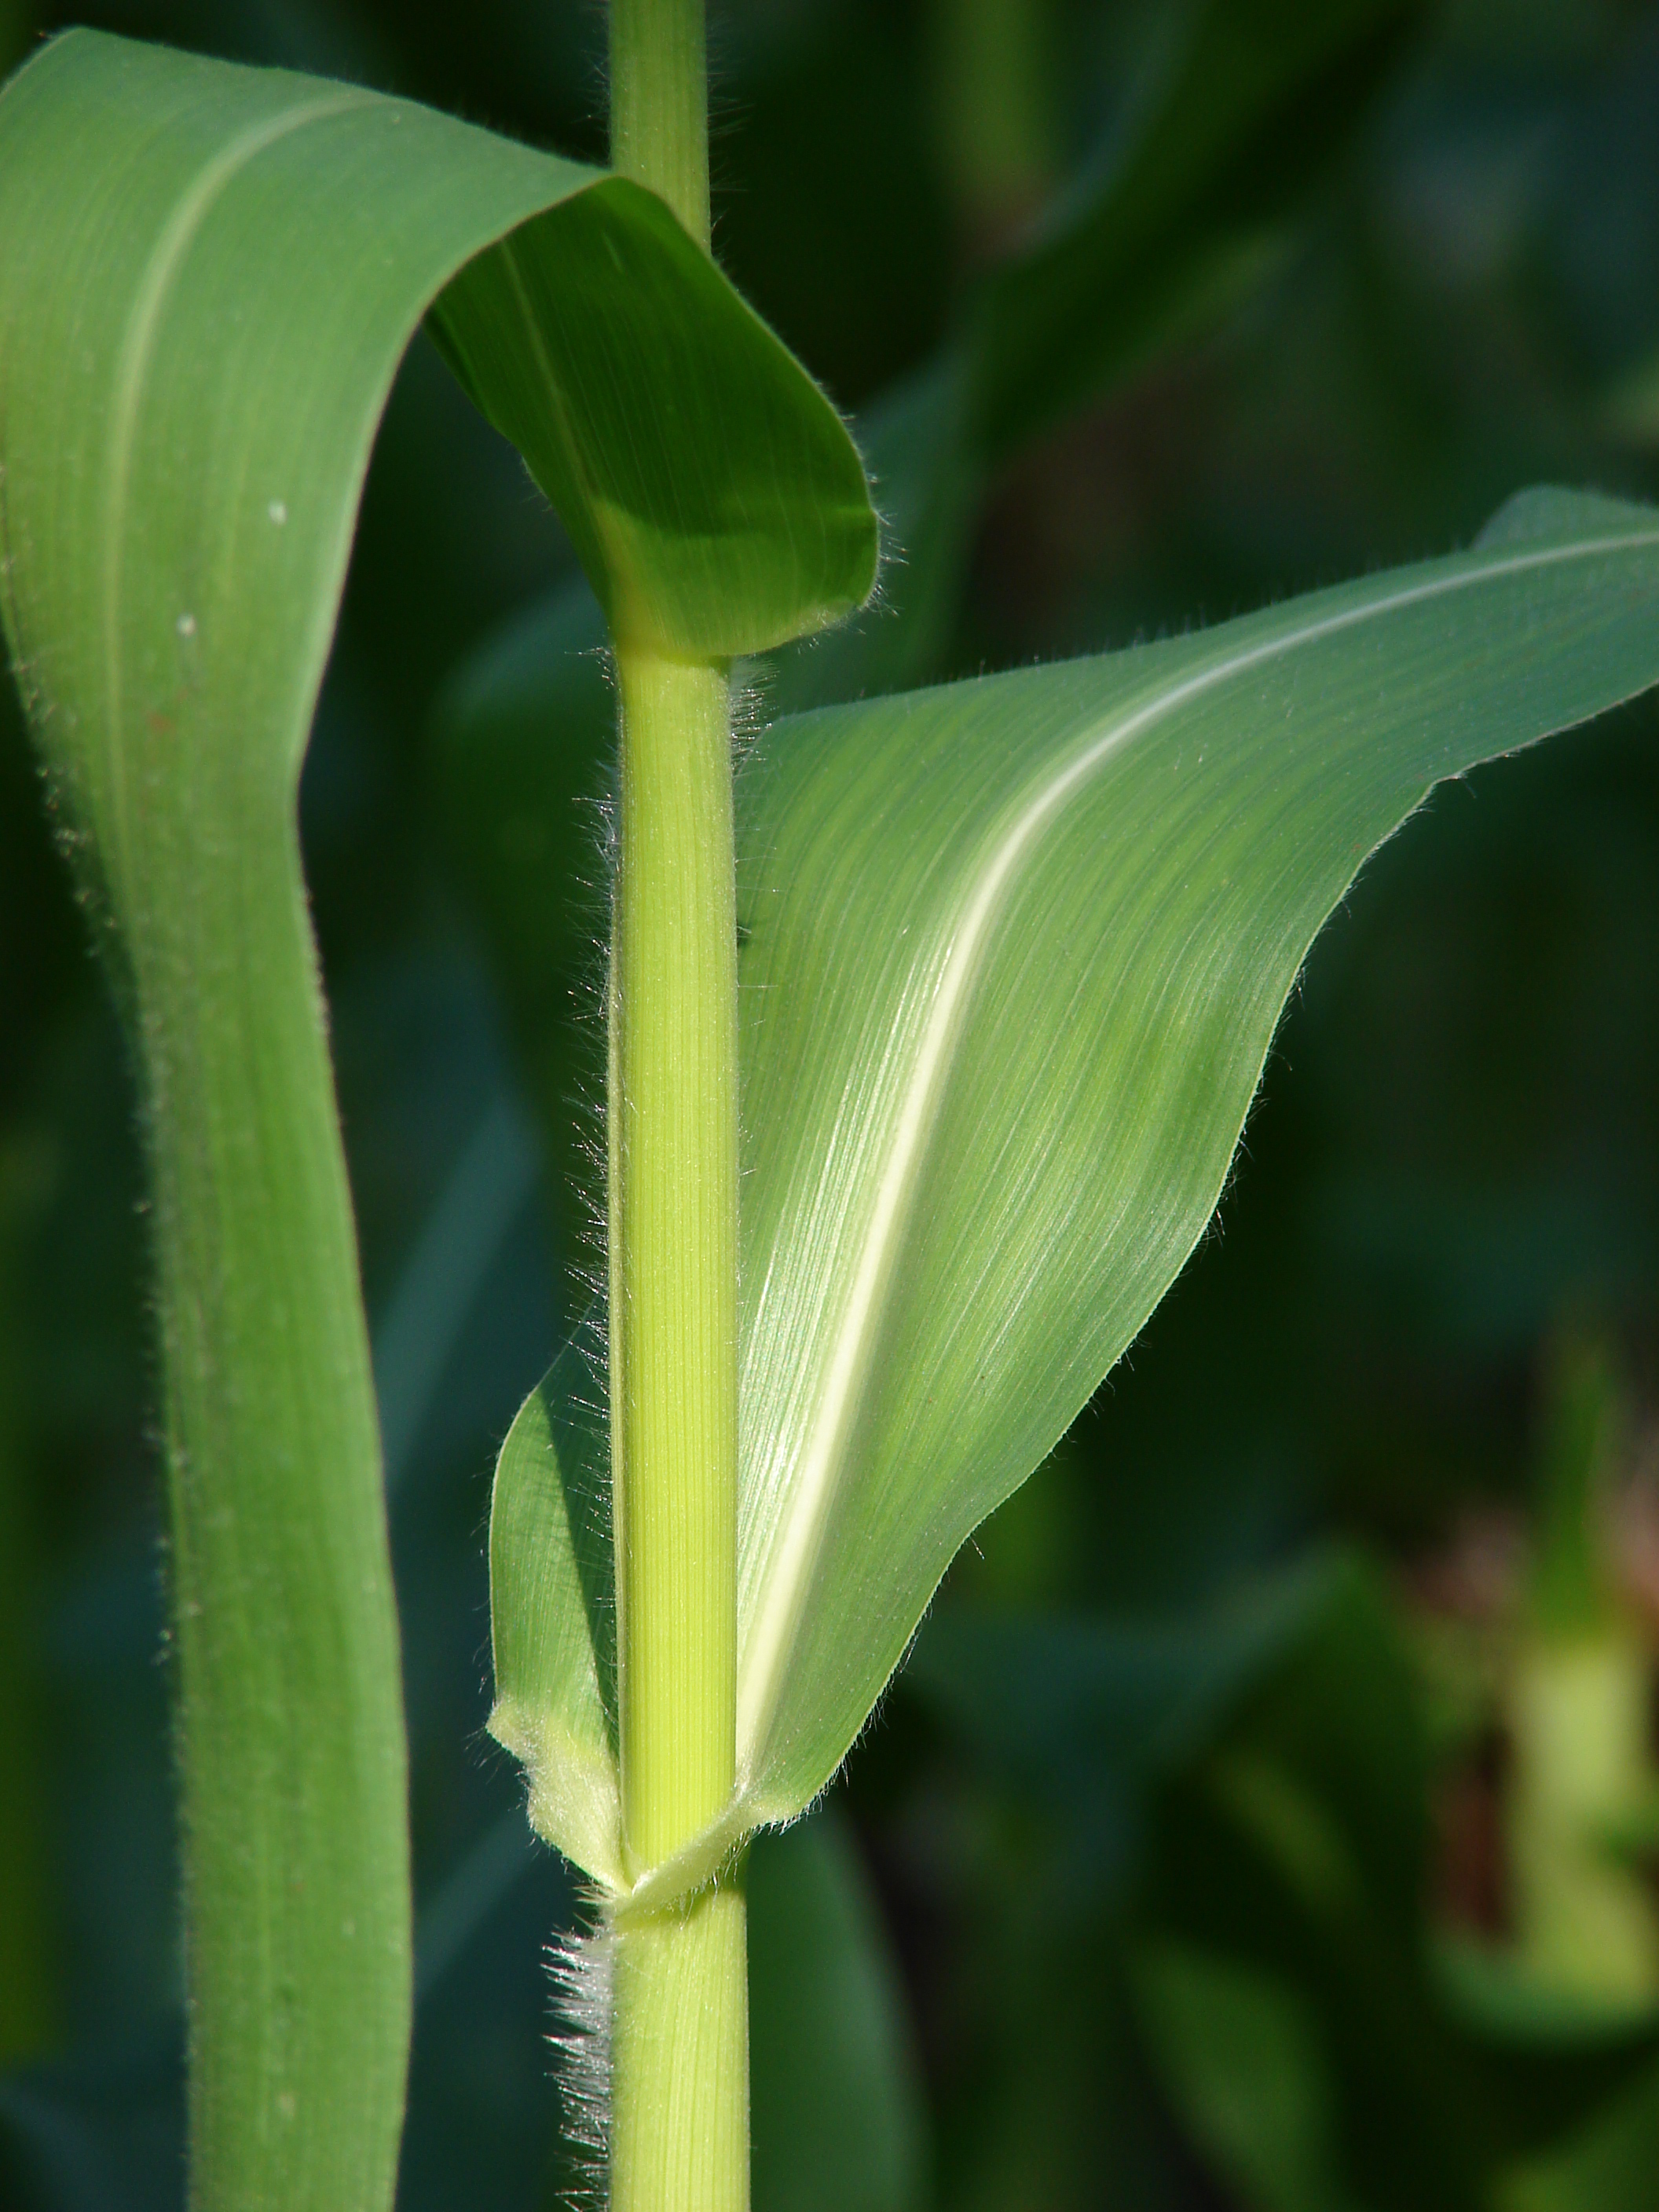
(210,276)
(1016,951)
(717,503)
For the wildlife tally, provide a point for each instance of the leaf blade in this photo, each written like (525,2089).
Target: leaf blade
(183,431)
(724,523)
(211,274)
(884,1408)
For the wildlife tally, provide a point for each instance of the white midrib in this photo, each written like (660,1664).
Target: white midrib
(132,371)
(766,1651)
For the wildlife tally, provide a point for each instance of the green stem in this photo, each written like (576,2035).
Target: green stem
(674,1231)
(679,2100)
(679,2116)
(659,103)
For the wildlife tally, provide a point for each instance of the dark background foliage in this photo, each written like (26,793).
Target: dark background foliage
(1037,1955)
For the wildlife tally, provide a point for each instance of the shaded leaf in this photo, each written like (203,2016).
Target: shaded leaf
(1243,2054)
(838,2118)
(717,503)
(1256,99)
(1084,1713)
(1292,1848)
(553,1620)
(519,768)
(1606,2165)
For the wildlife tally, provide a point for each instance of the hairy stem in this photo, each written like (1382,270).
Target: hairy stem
(674,1231)
(679,2118)
(679,2131)
(679,2108)
(679,2126)
(659,103)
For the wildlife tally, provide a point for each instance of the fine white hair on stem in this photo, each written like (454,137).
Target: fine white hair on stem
(581,1970)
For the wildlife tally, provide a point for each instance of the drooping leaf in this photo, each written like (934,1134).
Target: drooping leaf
(1245,109)
(1016,951)
(210,276)
(716,501)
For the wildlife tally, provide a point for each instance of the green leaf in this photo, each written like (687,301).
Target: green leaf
(1016,951)
(1255,99)
(838,2114)
(552,1619)
(210,275)
(1084,1712)
(717,503)
(1241,2052)
(1247,108)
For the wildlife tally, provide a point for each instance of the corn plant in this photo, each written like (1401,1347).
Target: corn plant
(931,1033)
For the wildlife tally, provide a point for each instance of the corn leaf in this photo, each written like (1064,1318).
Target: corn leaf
(716,501)
(552,1619)
(208,278)
(1015,953)
(1242,2063)
(1242,112)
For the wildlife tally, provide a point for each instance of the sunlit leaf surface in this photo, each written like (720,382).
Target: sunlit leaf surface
(1016,951)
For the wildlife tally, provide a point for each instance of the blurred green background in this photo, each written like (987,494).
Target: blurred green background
(1267,1817)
